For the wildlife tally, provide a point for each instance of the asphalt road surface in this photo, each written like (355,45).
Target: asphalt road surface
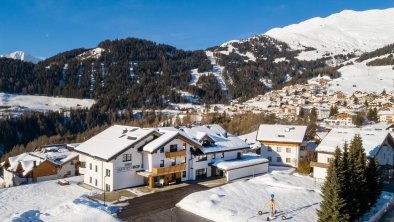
(160,206)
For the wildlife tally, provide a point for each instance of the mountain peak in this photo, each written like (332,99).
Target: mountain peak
(23,56)
(345,32)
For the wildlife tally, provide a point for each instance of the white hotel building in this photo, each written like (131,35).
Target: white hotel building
(124,156)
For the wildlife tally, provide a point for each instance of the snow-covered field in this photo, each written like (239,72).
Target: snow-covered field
(296,195)
(364,78)
(48,201)
(43,103)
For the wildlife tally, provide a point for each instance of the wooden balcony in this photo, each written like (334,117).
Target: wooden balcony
(180,153)
(167,170)
(321,165)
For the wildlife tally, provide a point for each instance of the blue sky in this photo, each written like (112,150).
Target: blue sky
(46,27)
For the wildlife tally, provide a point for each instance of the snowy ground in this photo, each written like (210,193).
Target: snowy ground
(360,77)
(48,201)
(43,103)
(296,195)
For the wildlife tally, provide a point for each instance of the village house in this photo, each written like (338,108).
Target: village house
(377,144)
(46,163)
(282,145)
(386,115)
(340,119)
(124,156)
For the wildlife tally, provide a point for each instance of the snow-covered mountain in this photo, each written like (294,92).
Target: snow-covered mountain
(340,33)
(21,55)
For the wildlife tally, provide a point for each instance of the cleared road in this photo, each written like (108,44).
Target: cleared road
(161,206)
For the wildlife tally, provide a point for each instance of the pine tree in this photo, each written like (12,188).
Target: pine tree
(333,110)
(344,179)
(358,182)
(374,181)
(333,207)
(366,103)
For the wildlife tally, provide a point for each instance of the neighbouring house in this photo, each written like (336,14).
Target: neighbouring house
(46,163)
(217,145)
(341,119)
(282,145)
(125,156)
(377,144)
(386,116)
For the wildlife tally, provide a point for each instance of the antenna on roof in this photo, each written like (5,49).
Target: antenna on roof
(124,131)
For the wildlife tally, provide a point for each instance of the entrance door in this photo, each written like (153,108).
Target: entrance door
(201,173)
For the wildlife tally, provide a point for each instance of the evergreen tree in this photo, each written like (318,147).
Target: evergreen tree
(384,92)
(301,113)
(355,100)
(333,207)
(313,115)
(358,120)
(374,181)
(358,182)
(333,110)
(366,103)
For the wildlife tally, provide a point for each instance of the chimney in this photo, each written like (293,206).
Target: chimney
(34,164)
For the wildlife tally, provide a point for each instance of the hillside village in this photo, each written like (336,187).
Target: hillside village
(294,124)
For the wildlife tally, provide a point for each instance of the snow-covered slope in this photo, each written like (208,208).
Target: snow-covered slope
(22,56)
(48,201)
(340,33)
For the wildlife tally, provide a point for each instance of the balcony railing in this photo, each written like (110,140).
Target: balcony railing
(321,165)
(180,153)
(168,170)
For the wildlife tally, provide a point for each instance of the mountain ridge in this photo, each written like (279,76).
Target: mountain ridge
(23,56)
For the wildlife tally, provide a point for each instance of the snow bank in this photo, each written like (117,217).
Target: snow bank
(48,201)
(384,203)
(296,195)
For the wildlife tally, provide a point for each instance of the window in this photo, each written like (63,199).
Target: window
(95,182)
(107,172)
(90,166)
(173,162)
(173,148)
(329,160)
(222,156)
(161,163)
(288,160)
(161,149)
(288,150)
(126,157)
(278,159)
(213,156)
(202,157)
(184,160)
(83,164)
(107,187)
(302,148)
(184,146)
(71,162)
(278,149)
(96,168)
(269,148)
(90,180)
(269,158)
(184,174)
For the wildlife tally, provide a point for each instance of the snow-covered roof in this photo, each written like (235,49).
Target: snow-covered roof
(167,134)
(281,133)
(245,161)
(223,141)
(113,141)
(372,139)
(57,155)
